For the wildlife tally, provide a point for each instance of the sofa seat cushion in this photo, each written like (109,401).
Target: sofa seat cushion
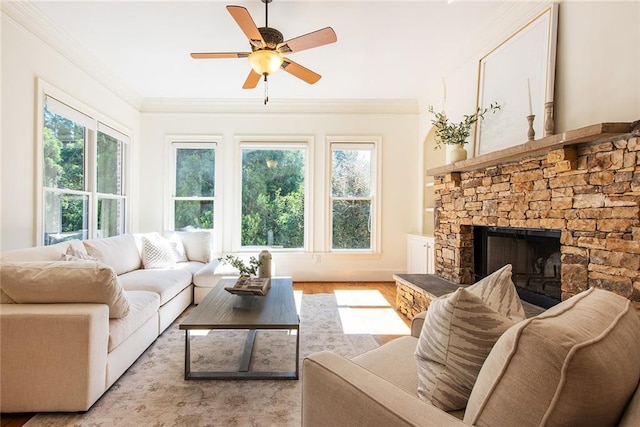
(575,364)
(119,252)
(395,362)
(167,283)
(191,266)
(144,305)
(458,333)
(209,275)
(63,282)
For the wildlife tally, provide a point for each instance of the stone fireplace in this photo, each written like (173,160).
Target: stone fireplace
(584,184)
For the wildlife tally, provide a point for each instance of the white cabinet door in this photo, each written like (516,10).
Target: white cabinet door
(420,259)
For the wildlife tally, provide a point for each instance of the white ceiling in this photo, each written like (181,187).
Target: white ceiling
(385,50)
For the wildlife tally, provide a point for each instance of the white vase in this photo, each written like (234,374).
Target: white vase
(457,154)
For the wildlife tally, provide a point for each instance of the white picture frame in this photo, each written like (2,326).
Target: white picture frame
(519,75)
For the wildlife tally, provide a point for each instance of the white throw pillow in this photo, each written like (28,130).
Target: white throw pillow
(459,331)
(157,253)
(75,254)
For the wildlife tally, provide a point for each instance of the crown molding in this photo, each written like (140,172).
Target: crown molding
(280,106)
(28,16)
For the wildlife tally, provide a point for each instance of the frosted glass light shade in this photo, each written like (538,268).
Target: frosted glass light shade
(265,61)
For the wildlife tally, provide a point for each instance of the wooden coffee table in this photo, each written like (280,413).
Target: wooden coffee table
(222,310)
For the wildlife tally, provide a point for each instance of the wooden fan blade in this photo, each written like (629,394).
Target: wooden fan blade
(219,55)
(307,41)
(246,24)
(299,71)
(252,80)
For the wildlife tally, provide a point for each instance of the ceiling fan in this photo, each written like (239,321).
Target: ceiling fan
(268,49)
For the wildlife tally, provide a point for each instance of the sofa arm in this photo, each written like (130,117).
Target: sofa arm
(416,324)
(338,392)
(54,356)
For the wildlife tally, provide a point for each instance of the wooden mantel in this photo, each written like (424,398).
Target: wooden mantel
(599,132)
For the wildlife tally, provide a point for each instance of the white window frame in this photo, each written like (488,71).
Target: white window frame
(67,106)
(175,142)
(305,143)
(356,142)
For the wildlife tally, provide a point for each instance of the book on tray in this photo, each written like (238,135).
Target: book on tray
(250,286)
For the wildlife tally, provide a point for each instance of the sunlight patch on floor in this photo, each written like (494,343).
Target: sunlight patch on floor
(366,298)
(368,312)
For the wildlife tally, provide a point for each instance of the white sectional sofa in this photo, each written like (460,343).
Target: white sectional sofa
(75,315)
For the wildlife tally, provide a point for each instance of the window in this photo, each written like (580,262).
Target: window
(110,150)
(273,195)
(353,186)
(83,175)
(194,185)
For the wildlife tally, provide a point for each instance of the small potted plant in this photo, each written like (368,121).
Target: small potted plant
(457,133)
(245,270)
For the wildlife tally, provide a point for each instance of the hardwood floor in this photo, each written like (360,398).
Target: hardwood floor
(387,289)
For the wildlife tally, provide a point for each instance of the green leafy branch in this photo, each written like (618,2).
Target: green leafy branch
(457,133)
(245,270)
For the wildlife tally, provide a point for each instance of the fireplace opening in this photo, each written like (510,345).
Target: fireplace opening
(533,253)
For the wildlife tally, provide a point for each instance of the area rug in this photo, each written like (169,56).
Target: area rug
(153,391)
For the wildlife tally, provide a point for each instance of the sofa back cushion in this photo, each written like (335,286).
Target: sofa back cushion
(575,364)
(118,252)
(51,282)
(197,244)
(42,253)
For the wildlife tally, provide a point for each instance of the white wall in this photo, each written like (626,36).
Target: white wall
(400,183)
(24,59)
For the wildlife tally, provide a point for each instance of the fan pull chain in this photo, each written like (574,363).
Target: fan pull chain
(266,89)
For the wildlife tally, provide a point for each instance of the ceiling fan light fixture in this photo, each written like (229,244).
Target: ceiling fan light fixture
(265,61)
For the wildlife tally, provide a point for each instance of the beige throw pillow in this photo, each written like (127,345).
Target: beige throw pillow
(63,282)
(574,365)
(458,333)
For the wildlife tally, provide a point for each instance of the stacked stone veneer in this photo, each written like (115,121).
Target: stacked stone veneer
(590,191)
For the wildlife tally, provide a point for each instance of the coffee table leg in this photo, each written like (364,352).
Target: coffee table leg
(297,350)
(187,355)
(248,351)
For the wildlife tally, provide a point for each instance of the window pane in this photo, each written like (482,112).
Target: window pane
(351,175)
(351,224)
(65,217)
(110,217)
(64,152)
(273,197)
(193,213)
(109,164)
(195,172)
